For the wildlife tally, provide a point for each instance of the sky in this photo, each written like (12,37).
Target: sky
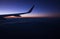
(43,8)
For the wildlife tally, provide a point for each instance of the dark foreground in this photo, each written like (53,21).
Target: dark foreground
(31,28)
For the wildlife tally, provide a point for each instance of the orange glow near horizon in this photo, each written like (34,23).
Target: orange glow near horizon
(25,16)
(11,17)
(28,16)
(31,16)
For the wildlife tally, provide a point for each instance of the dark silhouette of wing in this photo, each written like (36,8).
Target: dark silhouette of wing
(17,14)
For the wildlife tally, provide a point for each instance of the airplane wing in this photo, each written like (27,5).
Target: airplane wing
(17,14)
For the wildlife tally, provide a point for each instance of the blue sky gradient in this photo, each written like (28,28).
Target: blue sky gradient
(42,7)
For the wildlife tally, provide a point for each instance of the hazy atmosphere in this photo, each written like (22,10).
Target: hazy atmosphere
(42,8)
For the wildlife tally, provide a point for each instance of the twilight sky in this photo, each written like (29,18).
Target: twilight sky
(42,7)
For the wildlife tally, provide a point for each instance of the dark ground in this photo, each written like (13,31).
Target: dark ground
(31,28)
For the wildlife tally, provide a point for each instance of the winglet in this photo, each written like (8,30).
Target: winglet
(31,9)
